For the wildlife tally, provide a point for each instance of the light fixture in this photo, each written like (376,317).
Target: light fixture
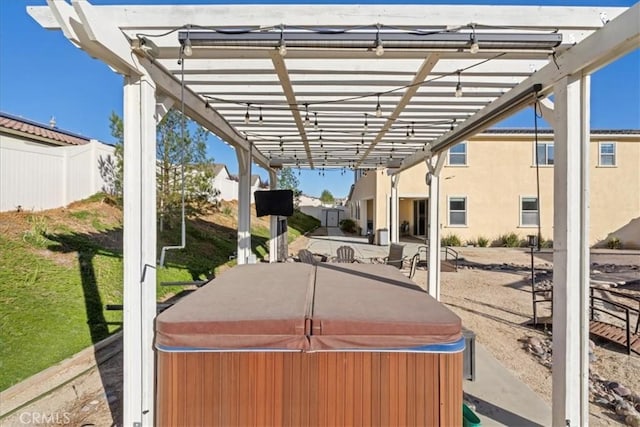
(475,47)
(371,40)
(413,131)
(362,139)
(407,134)
(315,121)
(260,117)
(366,123)
(379,48)
(357,151)
(307,122)
(458,87)
(452,123)
(282,47)
(378,108)
(206,104)
(186,47)
(247,117)
(320,138)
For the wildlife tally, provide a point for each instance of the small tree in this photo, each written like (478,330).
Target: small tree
(172,152)
(287,180)
(326,197)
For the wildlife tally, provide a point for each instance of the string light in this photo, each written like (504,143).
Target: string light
(186,48)
(307,122)
(378,108)
(247,117)
(320,138)
(379,48)
(206,104)
(362,139)
(260,118)
(452,123)
(282,49)
(475,47)
(366,122)
(458,87)
(407,134)
(315,121)
(413,131)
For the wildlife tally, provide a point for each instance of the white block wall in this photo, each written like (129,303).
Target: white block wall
(38,177)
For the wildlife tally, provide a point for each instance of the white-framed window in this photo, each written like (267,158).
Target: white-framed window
(607,154)
(545,154)
(457,211)
(458,154)
(528,211)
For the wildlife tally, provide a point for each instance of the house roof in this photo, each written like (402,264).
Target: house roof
(548,131)
(216,168)
(40,132)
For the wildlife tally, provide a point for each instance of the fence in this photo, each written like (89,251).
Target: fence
(37,177)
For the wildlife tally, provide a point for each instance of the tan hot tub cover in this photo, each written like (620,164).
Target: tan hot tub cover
(295,306)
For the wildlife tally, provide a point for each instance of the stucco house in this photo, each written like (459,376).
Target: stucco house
(227,183)
(504,161)
(44,167)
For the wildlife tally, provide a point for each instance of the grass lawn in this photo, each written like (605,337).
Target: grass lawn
(59,268)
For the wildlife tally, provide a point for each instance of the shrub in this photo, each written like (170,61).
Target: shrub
(614,243)
(482,241)
(348,225)
(450,240)
(510,240)
(546,243)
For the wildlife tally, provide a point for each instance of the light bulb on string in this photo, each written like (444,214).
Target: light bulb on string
(378,108)
(366,122)
(320,138)
(186,47)
(315,121)
(379,48)
(458,87)
(452,123)
(307,122)
(413,131)
(247,117)
(260,121)
(475,47)
(282,48)
(362,139)
(407,134)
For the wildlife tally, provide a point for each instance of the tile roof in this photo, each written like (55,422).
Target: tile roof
(43,132)
(548,131)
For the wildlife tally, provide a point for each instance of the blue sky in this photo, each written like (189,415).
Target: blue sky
(42,75)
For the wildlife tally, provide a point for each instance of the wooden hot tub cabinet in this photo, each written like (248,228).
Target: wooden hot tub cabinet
(334,345)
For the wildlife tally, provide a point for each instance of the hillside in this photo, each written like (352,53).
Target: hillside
(59,268)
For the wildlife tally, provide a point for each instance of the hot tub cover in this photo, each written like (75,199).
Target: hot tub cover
(300,307)
(249,306)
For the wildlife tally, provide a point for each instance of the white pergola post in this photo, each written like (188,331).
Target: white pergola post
(393,225)
(433,272)
(273,225)
(571,253)
(139,247)
(244,206)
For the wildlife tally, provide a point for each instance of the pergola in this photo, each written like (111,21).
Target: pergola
(353,87)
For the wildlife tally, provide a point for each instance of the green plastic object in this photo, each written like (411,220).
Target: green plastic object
(469,418)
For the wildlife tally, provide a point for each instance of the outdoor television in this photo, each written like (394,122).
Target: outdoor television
(274,202)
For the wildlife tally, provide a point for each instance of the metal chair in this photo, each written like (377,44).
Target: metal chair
(395,257)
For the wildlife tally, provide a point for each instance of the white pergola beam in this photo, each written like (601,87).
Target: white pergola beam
(571,253)
(439,16)
(283,76)
(434,263)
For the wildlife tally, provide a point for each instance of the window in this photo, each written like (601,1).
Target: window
(607,154)
(528,211)
(458,211)
(458,154)
(545,154)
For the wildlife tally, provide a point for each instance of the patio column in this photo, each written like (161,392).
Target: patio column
(139,250)
(273,225)
(433,181)
(393,226)
(244,206)
(571,253)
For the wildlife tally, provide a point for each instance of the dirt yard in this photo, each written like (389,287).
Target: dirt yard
(491,295)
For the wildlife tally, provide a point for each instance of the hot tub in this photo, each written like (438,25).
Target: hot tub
(300,345)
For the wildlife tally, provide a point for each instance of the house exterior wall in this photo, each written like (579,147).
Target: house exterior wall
(36,176)
(500,170)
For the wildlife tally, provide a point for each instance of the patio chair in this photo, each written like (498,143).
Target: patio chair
(306,256)
(345,254)
(395,257)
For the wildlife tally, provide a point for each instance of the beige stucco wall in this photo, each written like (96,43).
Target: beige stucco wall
(500,170)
